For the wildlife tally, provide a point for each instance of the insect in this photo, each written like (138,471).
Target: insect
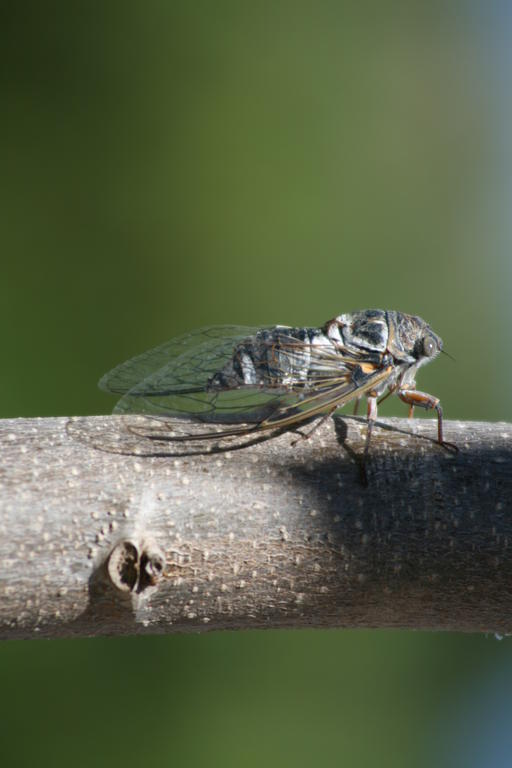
(257,380)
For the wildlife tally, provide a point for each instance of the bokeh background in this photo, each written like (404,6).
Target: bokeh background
(167,165)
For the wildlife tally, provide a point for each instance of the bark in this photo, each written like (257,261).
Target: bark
(106,531)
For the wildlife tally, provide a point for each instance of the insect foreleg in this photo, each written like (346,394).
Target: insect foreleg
(423,400)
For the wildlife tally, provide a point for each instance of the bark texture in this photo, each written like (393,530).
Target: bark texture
(106,530)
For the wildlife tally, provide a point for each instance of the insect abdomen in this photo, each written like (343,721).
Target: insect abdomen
(274,357)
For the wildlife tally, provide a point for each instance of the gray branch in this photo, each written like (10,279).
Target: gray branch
(106,527)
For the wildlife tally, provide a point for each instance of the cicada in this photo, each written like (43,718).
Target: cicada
(248,381)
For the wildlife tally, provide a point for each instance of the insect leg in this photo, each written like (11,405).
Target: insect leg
(385,397)
(306,435)
(356,405)
(423,400)
(410,414)
(371,416)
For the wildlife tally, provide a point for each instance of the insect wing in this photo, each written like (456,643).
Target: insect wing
(126,376)
(299,379)
(327,398)
(172,379)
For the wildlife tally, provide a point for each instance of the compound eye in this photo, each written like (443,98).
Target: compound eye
(429,346)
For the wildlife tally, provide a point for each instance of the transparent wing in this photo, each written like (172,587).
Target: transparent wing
(172,379)
(300,379)
(284,416)
(341,391)
(217,339)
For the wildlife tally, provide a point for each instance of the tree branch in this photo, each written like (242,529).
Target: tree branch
(97,539)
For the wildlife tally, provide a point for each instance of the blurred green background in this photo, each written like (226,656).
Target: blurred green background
(167,165)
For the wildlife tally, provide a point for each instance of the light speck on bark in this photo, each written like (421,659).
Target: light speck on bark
(99,535)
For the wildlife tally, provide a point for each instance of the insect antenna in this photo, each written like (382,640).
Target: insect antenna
(448,355)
